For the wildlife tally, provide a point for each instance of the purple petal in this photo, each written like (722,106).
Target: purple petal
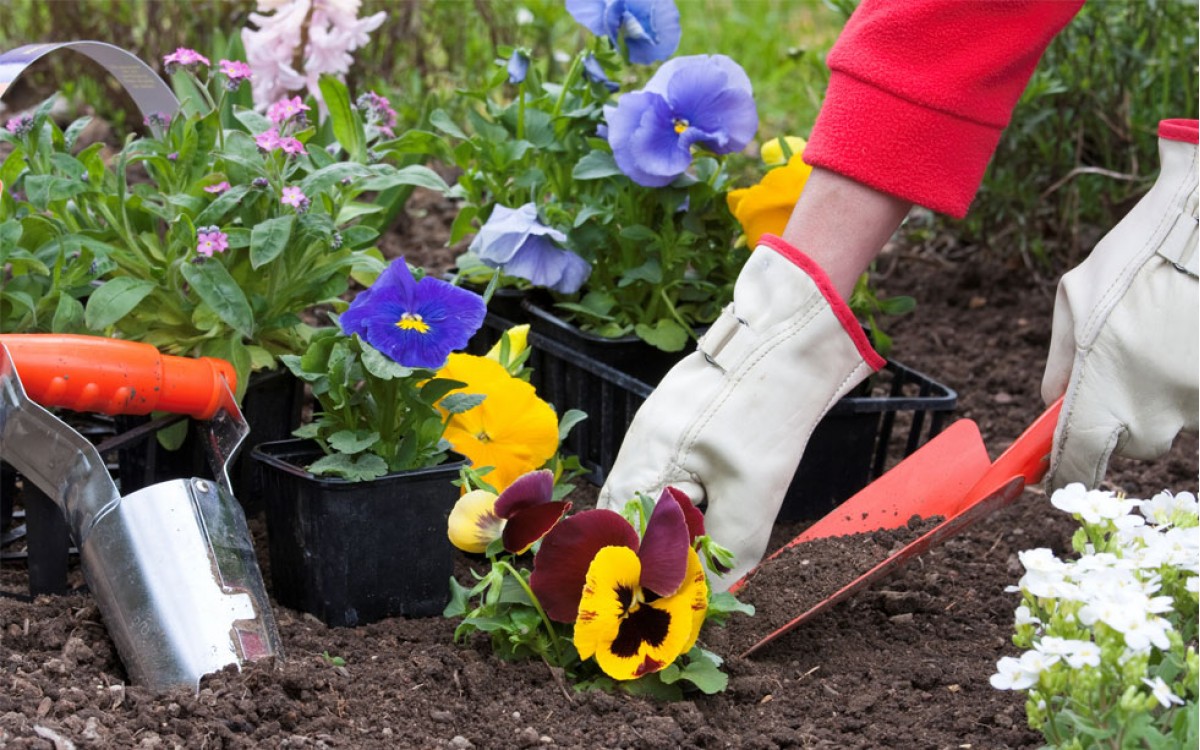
(531,524)
(561,564)
(532,488)
(518,67)
(641,132)
(665,547)
(506,230)
(591,15)
(651,29)
(723,116)
(695,519)
(544,264)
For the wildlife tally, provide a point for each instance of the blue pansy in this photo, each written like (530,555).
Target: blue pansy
(416,323)
(650,27)
(594,72)
(515,241)
(518,66)
(702,100)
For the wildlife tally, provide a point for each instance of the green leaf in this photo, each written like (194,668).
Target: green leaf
(71,134)
(215,212)
(665,334)
(701,670)
(268,239)
(356,469)
(440,120)
(213,284)
(416,175)
(42,189)
(254,121)
(568,420)
(68,315)
(457,403)
(115,299)
(381,365)
(460,598)
(353,441)
(347,128)
(596,165)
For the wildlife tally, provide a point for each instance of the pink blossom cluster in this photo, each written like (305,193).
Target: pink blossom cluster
(211,240)
(379,112)
(185,58)
(273,44)
(270,140)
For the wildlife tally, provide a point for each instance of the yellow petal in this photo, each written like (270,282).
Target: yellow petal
(518,341)
(772,152)
(628,637)
(513,430)
(473,523)
(766,207)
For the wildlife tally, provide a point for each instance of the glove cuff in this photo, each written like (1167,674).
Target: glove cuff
(842,310)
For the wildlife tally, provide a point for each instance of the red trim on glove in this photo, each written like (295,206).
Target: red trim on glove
(840,308)
(1187,131)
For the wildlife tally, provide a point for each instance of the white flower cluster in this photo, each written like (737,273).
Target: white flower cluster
(334,30)
(1116,612)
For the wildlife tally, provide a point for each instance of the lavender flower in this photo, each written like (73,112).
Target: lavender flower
(650,27)
(183,57)
(211,240)
(702,100)
(518,67)
(379,111)
(295,197)
(416,323)
(515,241)
(291,146)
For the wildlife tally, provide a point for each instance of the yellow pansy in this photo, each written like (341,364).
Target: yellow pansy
(518,341)
(628,635)
(473,523)
(512,431)
(766,207)
(772,153)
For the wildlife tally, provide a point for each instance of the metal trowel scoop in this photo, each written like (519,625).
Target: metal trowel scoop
(172,566)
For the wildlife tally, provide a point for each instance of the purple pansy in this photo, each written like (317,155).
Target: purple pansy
(594,72)
(515,241)
(702,100)
(650,27)
(416,323)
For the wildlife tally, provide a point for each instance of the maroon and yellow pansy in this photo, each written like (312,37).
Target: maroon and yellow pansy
(520,515)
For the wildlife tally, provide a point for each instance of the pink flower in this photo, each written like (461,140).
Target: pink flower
(292,147)
(285,109)
(183,57)
(19,126)
(379,110)
(217,189)
(271,45)
(236,72)
(269,140)
(295,197)
(211,240)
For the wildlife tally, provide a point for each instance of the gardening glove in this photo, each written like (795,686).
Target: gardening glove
(729,423)
(1124,344)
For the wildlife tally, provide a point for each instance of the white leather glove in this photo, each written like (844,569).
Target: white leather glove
(729,423)
(1124,344)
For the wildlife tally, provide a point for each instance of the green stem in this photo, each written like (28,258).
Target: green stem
(572,76)
(521,111)
(536,605)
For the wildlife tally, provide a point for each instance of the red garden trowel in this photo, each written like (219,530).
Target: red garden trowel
(951,476)
(171,566)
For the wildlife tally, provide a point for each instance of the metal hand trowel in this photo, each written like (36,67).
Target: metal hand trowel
(172,566)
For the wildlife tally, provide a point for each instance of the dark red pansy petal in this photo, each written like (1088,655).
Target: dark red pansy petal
(664,552)
(695,519)
(529,525)
(561,564)
(530,489)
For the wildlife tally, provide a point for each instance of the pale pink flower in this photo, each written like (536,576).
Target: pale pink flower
(272,44)
(295,197)
(292,146)
(269,140)
(183,57)
(285,109)
(218,188)
(235,72)
(211,240)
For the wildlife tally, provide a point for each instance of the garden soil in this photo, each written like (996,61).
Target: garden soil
(904,664)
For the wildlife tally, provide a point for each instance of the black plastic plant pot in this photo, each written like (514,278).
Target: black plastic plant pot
(628,354)
(353,553)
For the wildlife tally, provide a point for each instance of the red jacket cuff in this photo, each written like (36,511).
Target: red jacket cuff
(929,157)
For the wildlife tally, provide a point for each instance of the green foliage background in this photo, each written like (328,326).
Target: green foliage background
(1080,150)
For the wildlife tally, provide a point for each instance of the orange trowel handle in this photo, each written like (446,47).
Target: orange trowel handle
(110,376)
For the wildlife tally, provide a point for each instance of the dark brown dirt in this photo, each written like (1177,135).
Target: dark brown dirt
(904,664)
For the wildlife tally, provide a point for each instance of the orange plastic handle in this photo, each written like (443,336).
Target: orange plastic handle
(110,376)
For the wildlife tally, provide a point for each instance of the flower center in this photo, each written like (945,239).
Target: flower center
(680,126)
(483,437)
(412,322)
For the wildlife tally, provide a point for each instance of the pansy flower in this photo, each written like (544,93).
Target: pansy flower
(521,515)
(637,604)
(650,28)
(700,100)
(517,242)
(518,67)
(594,72)
(765,208)
(513,430)
(416,323)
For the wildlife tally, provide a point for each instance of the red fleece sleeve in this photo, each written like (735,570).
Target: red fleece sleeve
(920,91)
